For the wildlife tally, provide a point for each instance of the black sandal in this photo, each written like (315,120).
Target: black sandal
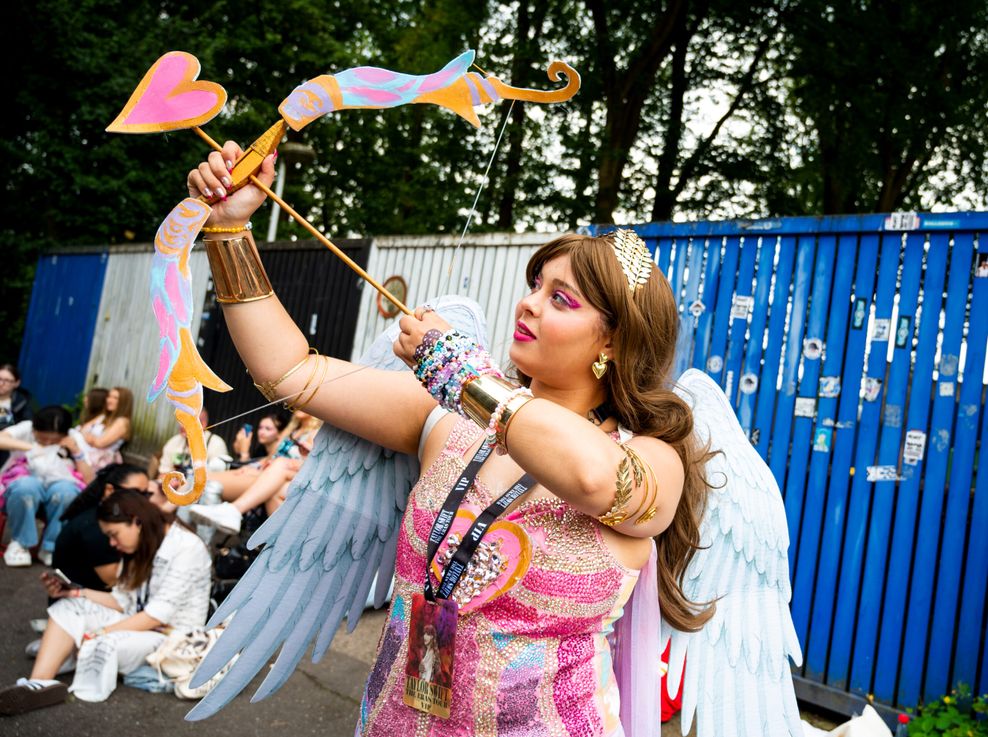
(30,695)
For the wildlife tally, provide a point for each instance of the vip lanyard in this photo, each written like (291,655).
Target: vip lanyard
(471,540)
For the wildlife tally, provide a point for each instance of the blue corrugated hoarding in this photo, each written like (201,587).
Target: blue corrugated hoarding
(61,319)
(853,350)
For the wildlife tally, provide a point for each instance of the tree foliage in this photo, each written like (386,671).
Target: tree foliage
(689,108)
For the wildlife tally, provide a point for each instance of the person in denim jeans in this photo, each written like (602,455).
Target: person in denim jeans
(46,474)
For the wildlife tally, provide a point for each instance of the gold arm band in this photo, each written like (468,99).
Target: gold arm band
(651,490)
(481,396)
(303,402)
(267,387)
(238,275)
(622,495)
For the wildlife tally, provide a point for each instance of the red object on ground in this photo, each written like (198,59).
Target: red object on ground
(670,706)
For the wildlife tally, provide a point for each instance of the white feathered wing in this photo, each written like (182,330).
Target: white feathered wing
(737,678)
(336,531)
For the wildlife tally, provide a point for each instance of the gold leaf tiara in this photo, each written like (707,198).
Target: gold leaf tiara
(633,255)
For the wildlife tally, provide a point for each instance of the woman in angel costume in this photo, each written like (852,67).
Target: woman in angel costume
(549,517)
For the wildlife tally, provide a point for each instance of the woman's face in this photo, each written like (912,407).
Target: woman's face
(112,400)
(7,383)
(134,482)
(267,432)
(558,334)
(123,536)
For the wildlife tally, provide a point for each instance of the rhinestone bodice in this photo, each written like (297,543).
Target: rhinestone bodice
(535,659)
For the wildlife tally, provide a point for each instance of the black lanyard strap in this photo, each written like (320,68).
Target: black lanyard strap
(471,540)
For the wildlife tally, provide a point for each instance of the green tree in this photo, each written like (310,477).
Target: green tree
(895,95)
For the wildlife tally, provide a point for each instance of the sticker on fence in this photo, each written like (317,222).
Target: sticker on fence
(715,364)
(981,272)
(697,308)
(741,306)
(912,451)
(881,329)
(860,313)
(748,383)
(871,389)
(882,473)
(822,438)
(805,407)
(902,221)
(829,386)
(892,416)
(946,389)
(903,331)
(812,348)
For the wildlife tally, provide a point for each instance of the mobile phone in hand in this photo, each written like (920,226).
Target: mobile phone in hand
(66,581)
(248,428)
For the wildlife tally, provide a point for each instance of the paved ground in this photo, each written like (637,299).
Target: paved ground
(320,700)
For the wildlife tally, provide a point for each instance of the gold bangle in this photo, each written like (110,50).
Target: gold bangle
(234,229)
(622,495)
(481,396)
(267,387)
(646,474)
(507,415)
(302,402)
(238,275)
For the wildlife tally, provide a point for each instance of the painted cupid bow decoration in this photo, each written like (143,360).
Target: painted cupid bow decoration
(170,97)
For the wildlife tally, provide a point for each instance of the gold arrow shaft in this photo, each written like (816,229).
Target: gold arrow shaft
(312,229)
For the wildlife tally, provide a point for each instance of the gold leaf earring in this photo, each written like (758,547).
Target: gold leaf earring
(600,366)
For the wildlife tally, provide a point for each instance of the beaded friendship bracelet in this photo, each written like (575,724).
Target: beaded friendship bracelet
(445,363)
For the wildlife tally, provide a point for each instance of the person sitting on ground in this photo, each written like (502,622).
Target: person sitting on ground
(269,488)
(93,405)
(47,475)
(104,435)
(164,582)
(254,458)
(175,455)
(82,551)
(15,402)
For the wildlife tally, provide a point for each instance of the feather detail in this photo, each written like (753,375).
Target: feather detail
(322,550)
(738,682)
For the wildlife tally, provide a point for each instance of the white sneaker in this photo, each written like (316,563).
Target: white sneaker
(16,555)
(224,517)
(45,557)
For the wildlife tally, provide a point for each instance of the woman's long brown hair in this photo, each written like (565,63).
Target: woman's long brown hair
(125,407)
(644,327)
(125,505)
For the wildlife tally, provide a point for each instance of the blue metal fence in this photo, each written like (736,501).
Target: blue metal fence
(61,319)
(853,350)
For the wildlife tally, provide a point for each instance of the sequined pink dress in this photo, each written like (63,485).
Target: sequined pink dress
(532,661)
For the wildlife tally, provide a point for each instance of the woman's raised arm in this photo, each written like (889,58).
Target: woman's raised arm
(385,407)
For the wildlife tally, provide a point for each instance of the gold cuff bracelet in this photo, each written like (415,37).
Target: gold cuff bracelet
(481,396)
(238,275)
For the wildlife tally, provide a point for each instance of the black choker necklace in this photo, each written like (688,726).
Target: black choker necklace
(599,414)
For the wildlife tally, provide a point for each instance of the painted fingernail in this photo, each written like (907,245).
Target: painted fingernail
(220,192)
(276,154)
(226,181)
(207,191)
(229,165)
(223,198)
